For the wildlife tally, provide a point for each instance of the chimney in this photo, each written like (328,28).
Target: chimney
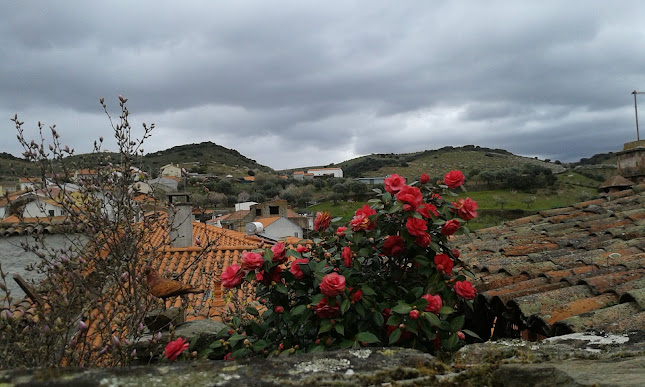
(180,220)
(631,161)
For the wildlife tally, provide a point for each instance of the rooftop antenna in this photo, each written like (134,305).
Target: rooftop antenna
(638,137)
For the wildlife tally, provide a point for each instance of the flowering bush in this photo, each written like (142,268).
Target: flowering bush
(388,277)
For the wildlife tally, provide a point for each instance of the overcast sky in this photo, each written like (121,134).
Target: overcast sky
(300,83)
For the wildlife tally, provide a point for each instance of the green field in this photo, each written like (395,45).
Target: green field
(571,188)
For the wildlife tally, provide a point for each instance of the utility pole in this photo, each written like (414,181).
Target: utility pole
(638,137)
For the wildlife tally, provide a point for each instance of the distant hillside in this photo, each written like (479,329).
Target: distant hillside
(206,153)
(470,159)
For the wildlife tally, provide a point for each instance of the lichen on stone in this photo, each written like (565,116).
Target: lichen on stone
(361,353)
(322,365)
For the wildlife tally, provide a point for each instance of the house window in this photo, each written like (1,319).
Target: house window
(258,212)
(274,210)
(51,212)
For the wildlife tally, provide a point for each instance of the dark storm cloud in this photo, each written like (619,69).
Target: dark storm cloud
(295,83)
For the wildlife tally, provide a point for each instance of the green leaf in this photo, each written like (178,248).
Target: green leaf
(387,196)
(316,348)
(235,338)
(325,326)
(394,337)
(446,310)
(337,219)
(298,310)
(223,333)
(378,191)
(344,307)
(340,328)
(293,253)
(457,323)
(252,311)
(394,320)
(346,344)
(268,255)
(432,319)
(435,247)
(378,319)
(367,290)
(374,201)
(364,252)
(471,333)
(215,344)
(367,337)
(260,345)
(451,343)
(402,308)
(280,288)
(241,353)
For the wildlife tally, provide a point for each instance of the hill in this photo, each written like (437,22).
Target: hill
(470,159)
(206,153)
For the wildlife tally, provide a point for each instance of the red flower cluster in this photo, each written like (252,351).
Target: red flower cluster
(295,268)
(322,221)
(450,227)
(346,254)
(465,289)
(444,263)
(175,348)
(232,276)
(394,183)
(466,208)
(332,284)
(324,310)
(434,303)
(252,261)
(454,179)
(416,227)
(411,196)
(393,246)
(361,219)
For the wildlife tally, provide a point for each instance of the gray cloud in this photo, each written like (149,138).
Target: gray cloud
(298,83)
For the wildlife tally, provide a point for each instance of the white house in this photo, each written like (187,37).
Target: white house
(171,170)
(29,183)
(335,172)
(42,208)
(244,206)
(276,228)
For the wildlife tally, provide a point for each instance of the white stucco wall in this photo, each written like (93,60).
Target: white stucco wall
(282,228)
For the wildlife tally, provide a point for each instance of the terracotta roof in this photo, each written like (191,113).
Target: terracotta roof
(561,271)
(237,215)
(324,169)
(298,173)
(292,214)
(267,221)
(616,181)
(249,178)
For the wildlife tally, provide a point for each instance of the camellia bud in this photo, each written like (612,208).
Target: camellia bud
(461,335)
(414,314)
(279,309)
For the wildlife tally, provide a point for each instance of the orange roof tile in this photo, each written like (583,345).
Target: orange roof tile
(267,221)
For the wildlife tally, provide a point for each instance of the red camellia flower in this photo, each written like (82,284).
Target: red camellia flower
(465,290)
(356,296)
(322,221)
(232,276)
(434,303)
(423,240)
(455,253)
(175,348)
(424,179)
(425,210)
(450,227)
(393,246)
(394,183)
(279,252)
(252,261)
(323,310)
(444,263)
(332,284)
(340,231)
(466,208)
(416,226)
(410,195)
(454,179)
(361,219)
(414,314)
(295,268)
(346,254)
(302,249)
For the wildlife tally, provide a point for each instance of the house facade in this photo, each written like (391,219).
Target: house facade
(172,170)
(318,172)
